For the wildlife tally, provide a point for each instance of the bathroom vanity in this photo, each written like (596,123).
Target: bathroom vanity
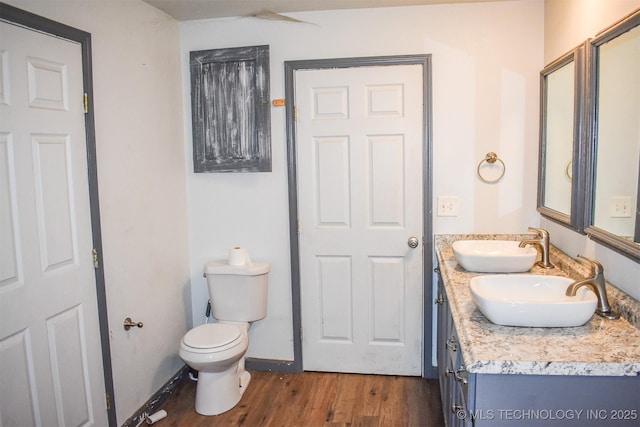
(492,375)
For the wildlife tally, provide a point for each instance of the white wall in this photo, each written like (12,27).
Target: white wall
(486,59)
(568,23)
(141,175)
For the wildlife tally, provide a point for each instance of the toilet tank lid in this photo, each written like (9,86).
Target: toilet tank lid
(223,267)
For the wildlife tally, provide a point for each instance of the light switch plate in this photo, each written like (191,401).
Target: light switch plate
(620,207)
(447,206)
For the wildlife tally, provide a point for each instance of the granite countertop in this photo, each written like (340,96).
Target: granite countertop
(599,348)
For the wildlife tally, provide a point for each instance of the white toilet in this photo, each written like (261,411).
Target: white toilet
(238,296)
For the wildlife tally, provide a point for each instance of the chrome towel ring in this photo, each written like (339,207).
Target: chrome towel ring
(491,158)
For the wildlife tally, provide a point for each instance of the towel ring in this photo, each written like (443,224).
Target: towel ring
(568,171)
(491,158)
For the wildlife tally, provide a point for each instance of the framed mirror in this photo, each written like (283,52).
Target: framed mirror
(613,164)
(561,135)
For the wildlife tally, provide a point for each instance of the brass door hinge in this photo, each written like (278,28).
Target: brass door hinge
(295,113)
(108,401)
(94,254)
(85,103)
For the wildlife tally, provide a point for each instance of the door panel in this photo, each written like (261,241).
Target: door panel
(54,201)
(387,290)
(50,358)
(386,175)
(359,144)
(332,188)
(335,298)
(10,254)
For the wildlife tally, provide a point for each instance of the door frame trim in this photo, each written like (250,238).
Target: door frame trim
(290,67)
(41,24)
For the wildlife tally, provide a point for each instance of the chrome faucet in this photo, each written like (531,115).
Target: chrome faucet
(597,284)
(543,242)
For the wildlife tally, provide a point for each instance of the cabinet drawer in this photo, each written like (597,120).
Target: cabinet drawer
(460,413)
(452,345)
(457,370)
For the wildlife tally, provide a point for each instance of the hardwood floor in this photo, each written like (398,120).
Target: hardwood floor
(311,399)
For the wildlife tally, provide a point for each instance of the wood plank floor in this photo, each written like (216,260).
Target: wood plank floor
(310,399)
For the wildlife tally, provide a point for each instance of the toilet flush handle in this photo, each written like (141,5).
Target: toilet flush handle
(128,324)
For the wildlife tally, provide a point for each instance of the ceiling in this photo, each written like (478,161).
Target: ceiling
(188,10)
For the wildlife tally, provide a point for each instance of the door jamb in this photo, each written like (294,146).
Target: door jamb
(35,22)
(428,370)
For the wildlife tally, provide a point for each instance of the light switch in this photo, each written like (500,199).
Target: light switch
(447,206)
(620,207)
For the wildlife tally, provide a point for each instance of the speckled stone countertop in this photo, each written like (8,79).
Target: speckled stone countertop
(599,348)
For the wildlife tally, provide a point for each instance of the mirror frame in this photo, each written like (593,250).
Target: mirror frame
(575,218)
(617,243)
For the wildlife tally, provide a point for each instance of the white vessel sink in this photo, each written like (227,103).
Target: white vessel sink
(494,256)
(531,300)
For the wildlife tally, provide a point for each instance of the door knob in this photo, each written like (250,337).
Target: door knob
(413,242)
(128,324)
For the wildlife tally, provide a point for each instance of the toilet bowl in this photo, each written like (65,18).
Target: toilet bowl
(238,296)
(216,351)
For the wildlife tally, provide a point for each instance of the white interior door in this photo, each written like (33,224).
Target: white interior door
(359,168)
(50,360)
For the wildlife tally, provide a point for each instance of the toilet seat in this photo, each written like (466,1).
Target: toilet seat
(213,337)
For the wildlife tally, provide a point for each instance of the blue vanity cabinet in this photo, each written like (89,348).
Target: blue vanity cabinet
(443,317)
(471,399)
(555,400)
(453,378)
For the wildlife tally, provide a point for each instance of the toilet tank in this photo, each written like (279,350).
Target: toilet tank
(238,292)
